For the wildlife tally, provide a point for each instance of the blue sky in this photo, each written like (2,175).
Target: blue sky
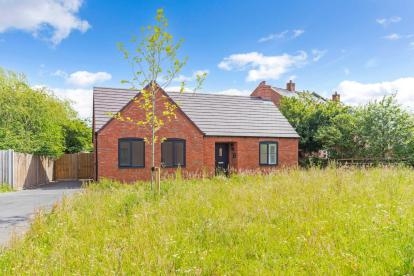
(363,49)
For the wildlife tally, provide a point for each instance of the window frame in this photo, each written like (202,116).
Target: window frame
(130,140)
(267,143)
(174,157)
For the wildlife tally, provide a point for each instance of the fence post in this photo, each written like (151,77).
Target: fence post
(10,177)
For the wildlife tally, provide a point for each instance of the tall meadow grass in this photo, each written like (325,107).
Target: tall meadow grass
(332,221)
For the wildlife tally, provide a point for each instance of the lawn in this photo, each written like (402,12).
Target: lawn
(333,221)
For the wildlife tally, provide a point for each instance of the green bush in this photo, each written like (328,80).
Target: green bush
(35,121)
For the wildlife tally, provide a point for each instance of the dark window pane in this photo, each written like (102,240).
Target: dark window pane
(263,153)
(124,153)
(167,153)
(138,152)
(179,152)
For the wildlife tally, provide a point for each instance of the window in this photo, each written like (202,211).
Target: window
(268,153)
(131,153)
(173,153)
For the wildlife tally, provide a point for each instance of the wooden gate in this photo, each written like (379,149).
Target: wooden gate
(74,166)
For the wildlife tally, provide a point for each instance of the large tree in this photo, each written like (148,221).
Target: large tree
(320,124)
(385,130)
(378,130)
(35,121)
(155,64)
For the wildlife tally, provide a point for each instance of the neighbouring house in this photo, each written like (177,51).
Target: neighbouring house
(275,94)
(211,132)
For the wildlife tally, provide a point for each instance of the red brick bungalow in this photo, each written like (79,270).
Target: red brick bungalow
(210,132)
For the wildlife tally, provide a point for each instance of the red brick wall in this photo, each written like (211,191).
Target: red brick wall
(247,152)
(107,149)
(266,92)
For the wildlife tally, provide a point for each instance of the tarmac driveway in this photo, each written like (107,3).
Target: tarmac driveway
(17,208)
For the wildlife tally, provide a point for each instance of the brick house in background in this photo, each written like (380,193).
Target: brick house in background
(210,132)
(275,94)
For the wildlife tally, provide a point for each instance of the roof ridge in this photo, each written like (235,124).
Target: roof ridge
(113,88)
(188,92)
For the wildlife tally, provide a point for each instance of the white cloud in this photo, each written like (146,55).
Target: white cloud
(412,44)
(174,88)
(60,73)
(285,34)
(318,54)
(353,92)
(273,36)
(297,33)
(81,99)
(387,21)
(52,20)
(234,92)
(183,78)
(393,36)
(83,78)
(261,67)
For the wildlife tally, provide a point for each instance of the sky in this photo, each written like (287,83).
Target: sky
(364,49)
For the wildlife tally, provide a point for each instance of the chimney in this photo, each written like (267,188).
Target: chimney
(290,86)
(336,97)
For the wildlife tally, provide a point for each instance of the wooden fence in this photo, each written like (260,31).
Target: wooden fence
(368,162)
(74,166)
(22,171)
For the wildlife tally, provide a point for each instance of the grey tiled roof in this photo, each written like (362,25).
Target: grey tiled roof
(224,115)
(109,100)
(287,93)
(213,114)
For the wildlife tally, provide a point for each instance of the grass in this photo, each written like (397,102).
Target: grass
(333,221)
(5,188)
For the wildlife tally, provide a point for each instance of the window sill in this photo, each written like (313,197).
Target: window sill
(131,167)
(172,167)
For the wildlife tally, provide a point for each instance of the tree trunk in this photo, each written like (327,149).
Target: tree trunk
(153,139)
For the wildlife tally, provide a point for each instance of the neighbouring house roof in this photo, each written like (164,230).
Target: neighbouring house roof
(213,114)
(287,93)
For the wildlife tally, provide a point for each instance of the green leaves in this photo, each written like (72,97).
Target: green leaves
(385,129)
(35,121)
(380,129)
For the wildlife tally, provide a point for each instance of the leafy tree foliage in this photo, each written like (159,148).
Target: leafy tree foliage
(320,124)
(378,130)
(385,129)
(35,121)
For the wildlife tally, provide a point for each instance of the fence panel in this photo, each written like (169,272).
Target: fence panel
(31,170)
(74,166)
(85,166)
(66,167)
(21,170)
